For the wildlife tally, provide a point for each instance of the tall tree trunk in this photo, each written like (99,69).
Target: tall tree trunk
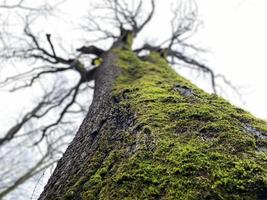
(151,134)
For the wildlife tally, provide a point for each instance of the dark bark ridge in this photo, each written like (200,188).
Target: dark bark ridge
(151,134)
(85,144)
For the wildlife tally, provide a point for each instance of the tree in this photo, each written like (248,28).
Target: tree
(149,133)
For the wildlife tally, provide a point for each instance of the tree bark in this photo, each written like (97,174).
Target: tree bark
(151,134)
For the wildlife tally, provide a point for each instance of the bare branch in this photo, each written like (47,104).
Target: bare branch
(45,54)
(180,56)
(48,37)
(91,50)
(18,5)
(75,91)
(194,62)
(15,129)
(148,19)
(37,76)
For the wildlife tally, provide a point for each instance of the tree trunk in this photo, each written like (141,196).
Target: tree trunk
(151,134)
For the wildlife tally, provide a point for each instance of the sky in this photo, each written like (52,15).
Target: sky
(233,32)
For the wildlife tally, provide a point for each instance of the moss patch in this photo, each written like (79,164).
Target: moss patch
(185,144)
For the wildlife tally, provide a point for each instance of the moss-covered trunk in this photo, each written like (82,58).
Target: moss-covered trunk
(151,134)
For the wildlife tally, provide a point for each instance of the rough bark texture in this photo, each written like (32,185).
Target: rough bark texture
(151,134)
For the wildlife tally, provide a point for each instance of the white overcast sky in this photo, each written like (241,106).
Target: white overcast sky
(236,34)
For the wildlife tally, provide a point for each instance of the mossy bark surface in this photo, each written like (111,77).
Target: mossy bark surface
(151,134)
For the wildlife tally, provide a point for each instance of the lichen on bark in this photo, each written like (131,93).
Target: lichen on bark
(179,142)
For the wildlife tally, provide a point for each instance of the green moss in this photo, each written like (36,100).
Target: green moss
(73,190)
(201,149)
(195,146)
(129,40)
